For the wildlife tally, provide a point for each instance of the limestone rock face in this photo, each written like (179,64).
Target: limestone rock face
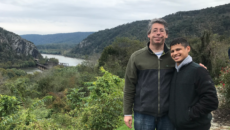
(18,45)
(84,43)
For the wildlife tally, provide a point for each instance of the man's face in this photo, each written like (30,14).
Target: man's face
(179,53)
(158,34)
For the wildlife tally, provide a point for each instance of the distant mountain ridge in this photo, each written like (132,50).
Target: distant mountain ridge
(71,38)
(181,24)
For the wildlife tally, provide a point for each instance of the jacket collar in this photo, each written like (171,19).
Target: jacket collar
(186,61)
(165,48)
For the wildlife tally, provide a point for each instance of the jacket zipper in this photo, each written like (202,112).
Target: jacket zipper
(159,83)
(175,100)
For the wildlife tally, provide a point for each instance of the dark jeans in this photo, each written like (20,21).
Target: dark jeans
(148,122)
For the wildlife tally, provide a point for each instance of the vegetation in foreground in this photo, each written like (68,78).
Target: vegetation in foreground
(89,97)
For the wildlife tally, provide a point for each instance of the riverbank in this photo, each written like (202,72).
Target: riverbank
(64,59)
(30,70)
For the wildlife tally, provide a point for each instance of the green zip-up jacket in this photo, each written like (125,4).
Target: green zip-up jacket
(147,82)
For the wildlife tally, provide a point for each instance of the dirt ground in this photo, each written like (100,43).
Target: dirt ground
(222,116)
(221,119)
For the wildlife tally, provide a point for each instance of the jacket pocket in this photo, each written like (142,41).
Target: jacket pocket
(183,117)
(189,111)
(148,101)
(186,115)
(204,119)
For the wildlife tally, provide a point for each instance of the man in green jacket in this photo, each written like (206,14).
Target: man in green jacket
(192,92)
(147,82)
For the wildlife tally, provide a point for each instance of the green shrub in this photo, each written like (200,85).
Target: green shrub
(45,85)
(12,73)
(63,120)
(53,61)
(23,119)
(8,105)
(115,57)
(225,85)
(22,88)
(75,97)
(59,103)
(103,108)
(41,113)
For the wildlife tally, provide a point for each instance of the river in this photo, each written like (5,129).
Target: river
(62,59)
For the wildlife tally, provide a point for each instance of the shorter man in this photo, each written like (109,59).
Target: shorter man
(192,93)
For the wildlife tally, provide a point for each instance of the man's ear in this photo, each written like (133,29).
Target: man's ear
(148,35)
(166,35)
(188,48)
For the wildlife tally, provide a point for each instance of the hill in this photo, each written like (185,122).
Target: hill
(67,38)
(181,24)
(96,42)
(15,51)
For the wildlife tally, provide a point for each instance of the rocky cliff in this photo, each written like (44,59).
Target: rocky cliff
(19,46)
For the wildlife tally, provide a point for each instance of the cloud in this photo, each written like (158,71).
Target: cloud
(56,16)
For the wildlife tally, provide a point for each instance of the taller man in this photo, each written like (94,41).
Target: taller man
(147,81)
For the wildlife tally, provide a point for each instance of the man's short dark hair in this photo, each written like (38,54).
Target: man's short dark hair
(181,41)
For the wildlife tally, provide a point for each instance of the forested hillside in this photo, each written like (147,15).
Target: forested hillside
(96,42)
(181,24)
(15,51)
(67,38)
(192,23)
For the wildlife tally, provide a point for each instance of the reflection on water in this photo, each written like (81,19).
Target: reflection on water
(63,59)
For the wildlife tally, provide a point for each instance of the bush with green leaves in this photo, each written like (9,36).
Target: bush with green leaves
(115,57)
(24,119)
(103,108)
(22,88)
(225,85)
(8,105)
(12,73)
(75,97)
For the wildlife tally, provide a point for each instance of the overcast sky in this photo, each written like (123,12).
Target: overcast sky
(63,16)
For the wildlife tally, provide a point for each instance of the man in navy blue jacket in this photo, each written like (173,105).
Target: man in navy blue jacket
(192,93)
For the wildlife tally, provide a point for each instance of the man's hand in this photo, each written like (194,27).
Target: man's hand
(203,65)
(128,121)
